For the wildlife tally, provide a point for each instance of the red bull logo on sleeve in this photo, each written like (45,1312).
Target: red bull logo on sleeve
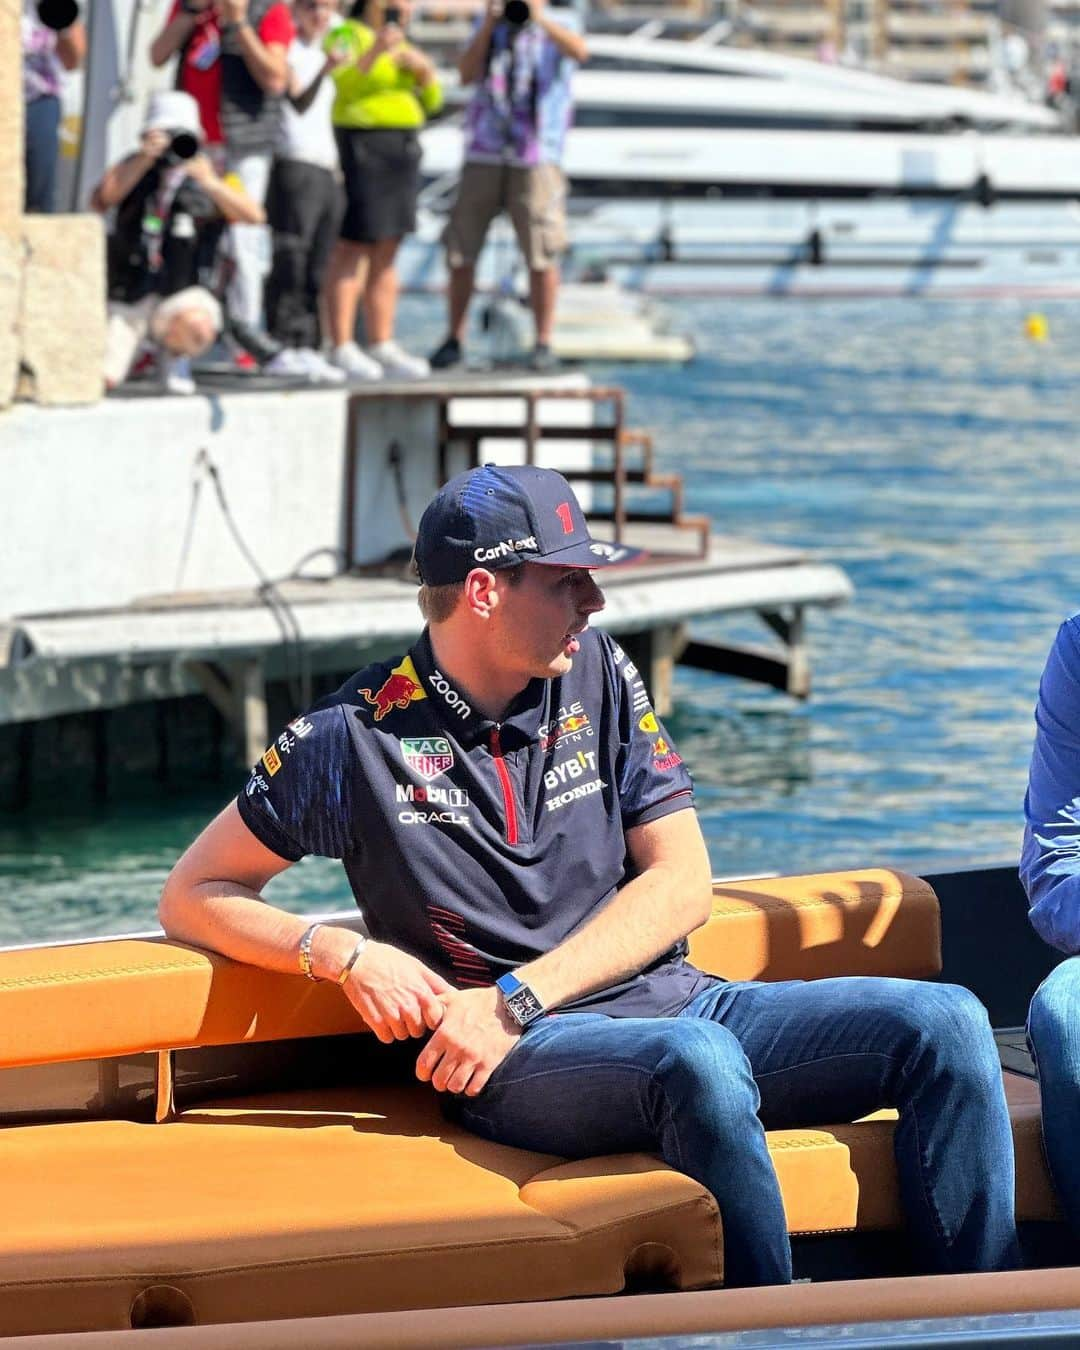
(401,688)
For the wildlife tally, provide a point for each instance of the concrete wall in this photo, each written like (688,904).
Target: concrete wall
(111,503)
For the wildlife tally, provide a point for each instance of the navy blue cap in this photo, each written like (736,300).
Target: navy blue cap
(500,515)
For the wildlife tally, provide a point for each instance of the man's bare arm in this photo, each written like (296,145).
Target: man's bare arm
(213,899)
(670,897)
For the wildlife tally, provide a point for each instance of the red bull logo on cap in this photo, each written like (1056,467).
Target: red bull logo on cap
(401,688)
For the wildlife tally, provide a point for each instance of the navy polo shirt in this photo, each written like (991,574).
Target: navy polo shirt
(478,846)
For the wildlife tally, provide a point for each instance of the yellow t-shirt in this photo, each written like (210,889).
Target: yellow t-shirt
(383,97)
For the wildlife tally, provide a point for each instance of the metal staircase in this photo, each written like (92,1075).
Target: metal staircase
(621,471)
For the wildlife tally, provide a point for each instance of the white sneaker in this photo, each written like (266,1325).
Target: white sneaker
(177,376)
(304,363)
(398,364)
(319,368)
(286,362)
(356,364)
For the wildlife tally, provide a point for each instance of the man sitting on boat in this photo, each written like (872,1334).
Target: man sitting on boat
(1050,871)
(520,832)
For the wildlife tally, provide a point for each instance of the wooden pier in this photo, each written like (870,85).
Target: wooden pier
(212,546)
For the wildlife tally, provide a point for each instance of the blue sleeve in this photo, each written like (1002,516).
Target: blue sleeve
(300,796)
(653,780)
(1050,860)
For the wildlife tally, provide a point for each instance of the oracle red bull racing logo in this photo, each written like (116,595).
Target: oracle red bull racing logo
(401,688)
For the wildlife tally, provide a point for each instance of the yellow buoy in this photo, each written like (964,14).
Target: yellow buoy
(1036,327)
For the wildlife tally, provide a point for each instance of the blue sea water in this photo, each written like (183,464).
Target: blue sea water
(928,448)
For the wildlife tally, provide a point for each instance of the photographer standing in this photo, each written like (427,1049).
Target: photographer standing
(521,60)
(170,208)
(53,41)
(386,90)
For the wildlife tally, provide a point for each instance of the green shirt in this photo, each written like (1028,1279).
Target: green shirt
(384,96)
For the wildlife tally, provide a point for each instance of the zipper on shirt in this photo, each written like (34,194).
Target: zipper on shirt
(507,787)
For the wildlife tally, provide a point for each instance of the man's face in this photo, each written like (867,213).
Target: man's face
(313,17)
(540,615)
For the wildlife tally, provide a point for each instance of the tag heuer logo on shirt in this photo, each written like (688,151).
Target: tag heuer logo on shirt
(429,756)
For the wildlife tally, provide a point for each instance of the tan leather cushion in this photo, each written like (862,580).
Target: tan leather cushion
(360,1200)
(123,997)
(300,1205)
(872,922)
(120,998)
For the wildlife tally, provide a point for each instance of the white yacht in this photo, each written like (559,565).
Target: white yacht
(702,168)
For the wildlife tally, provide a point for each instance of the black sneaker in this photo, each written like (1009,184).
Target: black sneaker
(543,359)
(447,356)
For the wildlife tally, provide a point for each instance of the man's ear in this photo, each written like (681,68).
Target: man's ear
(481,593)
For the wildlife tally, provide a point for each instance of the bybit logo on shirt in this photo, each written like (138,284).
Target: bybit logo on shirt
(564,774)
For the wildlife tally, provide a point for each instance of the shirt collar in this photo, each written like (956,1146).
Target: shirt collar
(523,718)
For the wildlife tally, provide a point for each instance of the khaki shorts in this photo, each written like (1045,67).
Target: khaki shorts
(535,199)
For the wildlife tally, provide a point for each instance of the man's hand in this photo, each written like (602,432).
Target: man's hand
(395,994)
(474,1037)
(389,36)
(154,143)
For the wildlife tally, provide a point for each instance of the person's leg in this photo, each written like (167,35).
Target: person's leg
(250,244)
(324,236)
(537,204)
(1054,1036)
(478,202)
(346,276)
(827,1051)
(580,1085)
(381,292)
(543,297)
(292,209)
(42,147)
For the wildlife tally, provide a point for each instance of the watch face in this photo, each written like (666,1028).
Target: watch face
(524,1006)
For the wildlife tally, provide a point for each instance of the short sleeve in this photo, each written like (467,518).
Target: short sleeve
(277,25)
(300,796)
(653,780)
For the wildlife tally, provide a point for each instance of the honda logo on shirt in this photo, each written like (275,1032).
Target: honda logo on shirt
(429,756)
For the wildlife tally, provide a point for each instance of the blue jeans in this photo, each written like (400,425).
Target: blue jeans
(42,148)
(1054,1037)
(700,1089)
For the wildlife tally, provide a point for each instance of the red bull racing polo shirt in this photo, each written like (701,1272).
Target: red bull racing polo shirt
(478,846)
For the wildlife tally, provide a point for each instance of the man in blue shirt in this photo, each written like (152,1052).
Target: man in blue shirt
(519,831)
(1050,871)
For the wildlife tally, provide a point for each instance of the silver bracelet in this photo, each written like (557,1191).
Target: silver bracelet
(305,951)
(361,943)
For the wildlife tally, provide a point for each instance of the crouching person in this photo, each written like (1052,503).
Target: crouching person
(170,208)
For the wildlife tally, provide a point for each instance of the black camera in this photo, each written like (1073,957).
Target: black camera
(517,13)
(182,146)
(392,14)
(57,14)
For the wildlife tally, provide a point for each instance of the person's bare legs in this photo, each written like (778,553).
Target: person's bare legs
(543,297)
(381,292)
(462,282)
(345,283)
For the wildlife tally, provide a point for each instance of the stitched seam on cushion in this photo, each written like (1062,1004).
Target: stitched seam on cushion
(763,902)
(567,1235)
(82,976)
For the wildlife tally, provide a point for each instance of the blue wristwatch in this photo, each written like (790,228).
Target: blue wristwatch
(519,1000)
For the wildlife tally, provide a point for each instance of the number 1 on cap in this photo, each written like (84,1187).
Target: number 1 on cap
(563,512)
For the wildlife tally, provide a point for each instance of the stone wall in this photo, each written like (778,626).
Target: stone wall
(52,269)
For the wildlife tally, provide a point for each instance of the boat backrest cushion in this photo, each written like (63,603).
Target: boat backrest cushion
(100,999)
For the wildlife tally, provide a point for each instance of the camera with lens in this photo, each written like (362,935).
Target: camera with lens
(517,13)
(182,146)
(392,14)
(57,14)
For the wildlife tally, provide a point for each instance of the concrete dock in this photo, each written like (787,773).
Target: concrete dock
(168,547)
